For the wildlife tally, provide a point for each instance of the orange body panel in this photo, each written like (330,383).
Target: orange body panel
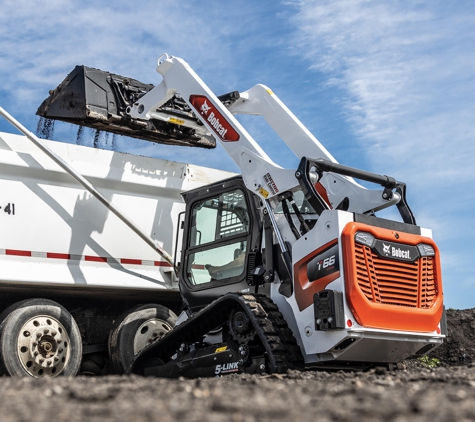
(305,288)
(391,294)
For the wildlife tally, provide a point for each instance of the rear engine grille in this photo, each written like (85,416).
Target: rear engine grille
(399,283)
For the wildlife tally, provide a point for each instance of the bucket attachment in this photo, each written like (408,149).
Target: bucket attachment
(97,99)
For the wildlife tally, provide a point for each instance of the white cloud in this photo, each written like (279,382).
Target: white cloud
(405,69)
(405,73)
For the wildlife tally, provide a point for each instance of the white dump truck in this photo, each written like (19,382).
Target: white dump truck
(60,245)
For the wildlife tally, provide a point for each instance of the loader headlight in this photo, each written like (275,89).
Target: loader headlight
(365,238)
(425,249)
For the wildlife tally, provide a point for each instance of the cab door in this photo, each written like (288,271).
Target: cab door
(220,242)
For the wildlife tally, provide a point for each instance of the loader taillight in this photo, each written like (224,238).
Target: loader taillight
(392,278)
(426,250)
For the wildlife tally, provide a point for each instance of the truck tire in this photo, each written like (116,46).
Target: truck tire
(135,329)
(39,338)
(93,364)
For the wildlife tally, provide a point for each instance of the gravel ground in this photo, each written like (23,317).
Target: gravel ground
(418,393)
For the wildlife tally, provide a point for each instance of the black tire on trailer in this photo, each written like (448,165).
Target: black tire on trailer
(39,338)
(93,364)
(135,329)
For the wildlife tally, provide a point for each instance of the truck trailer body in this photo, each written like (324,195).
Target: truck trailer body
(58,242)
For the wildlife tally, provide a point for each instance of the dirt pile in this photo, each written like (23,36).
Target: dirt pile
(459,347)
(429,395)
(420,393)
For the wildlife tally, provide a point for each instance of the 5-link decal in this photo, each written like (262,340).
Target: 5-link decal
(227,368)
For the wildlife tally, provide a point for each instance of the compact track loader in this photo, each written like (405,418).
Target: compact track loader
(279,268)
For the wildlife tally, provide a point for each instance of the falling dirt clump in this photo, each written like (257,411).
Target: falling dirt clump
(45,128)
(97,136)
(79,136)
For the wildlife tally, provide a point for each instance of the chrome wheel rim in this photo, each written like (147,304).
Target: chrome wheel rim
(150,331)
(43,347)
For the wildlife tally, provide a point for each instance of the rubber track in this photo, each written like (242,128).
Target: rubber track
(283,352)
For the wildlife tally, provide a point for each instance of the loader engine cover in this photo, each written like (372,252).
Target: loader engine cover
(99,100)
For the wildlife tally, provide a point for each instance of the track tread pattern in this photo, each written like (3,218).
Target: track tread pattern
(278,338)
(282,350)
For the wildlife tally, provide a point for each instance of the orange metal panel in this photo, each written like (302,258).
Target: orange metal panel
(388,293)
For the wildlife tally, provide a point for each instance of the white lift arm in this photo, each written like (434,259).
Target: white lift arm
(261,101)
(259,172)
(261,175)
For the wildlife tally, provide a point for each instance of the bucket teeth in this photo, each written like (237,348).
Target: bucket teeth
(97,99)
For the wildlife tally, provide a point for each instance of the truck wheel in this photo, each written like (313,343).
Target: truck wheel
(39,338)
(134,330)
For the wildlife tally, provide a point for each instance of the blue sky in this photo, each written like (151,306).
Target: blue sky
(387,86)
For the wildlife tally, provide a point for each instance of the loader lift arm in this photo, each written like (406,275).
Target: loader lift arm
(260,174)
(182,110)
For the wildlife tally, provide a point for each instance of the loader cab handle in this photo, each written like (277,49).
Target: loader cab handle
(307,181)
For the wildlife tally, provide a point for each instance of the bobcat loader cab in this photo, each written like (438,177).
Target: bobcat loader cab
(353,289)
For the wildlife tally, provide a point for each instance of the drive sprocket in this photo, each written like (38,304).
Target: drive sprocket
(240,326)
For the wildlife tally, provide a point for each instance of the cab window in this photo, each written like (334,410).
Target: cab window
(218,238)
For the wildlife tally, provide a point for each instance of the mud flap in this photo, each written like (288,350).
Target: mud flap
(97,99)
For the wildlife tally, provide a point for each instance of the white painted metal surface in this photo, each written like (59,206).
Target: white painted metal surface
(54,232)
(261,175)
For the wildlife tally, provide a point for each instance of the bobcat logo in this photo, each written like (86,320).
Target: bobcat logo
(386,248)
(213,117)
(205,108)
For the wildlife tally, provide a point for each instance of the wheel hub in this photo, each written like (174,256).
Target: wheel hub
(43,346)
(47,346)
(150,331)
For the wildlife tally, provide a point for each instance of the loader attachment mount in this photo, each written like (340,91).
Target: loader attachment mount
(99,100)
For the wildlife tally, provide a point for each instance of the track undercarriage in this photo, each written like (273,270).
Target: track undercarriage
(254,339)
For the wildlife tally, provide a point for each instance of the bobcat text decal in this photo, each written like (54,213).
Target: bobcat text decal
(396,251)
(215,119)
